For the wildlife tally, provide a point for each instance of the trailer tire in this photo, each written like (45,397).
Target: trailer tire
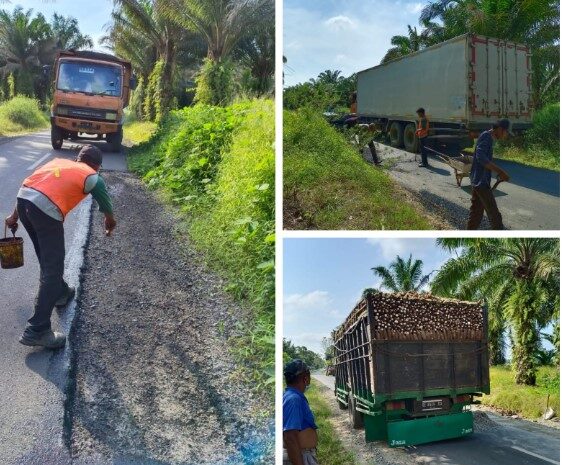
(411,142)
(56,137)
(396,134)
(115,139)
(355,417)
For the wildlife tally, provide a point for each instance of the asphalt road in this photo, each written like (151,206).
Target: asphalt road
(530,201)
(32,381)
(506,442)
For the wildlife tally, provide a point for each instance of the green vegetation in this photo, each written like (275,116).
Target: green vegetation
(327,185)
(138,131)
(216,165)
(21,114)
(292,352)
(527,401)
(402,275)
(519,278)
(331,451)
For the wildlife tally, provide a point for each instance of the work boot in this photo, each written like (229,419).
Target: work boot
(66,298)
(423,165)
(49,339)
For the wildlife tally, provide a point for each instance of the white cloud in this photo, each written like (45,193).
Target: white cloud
(390,248)
(340,23)
(311,301)
(415,8)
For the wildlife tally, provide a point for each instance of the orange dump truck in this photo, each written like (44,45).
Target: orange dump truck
(91,90)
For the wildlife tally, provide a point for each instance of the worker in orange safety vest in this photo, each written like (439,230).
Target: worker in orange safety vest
(422,132)
(43,201)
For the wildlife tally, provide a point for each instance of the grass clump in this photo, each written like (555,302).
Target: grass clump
(526,401)
(138,131)
(331,451)
(328,185)
(217,166)
(21,114)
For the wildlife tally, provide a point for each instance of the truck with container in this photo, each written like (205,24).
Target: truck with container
(408,366)
(464,84)
(91,91)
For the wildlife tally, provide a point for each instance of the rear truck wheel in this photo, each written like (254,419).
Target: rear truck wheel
(56,137)
(355,417)
(411,142)
(115,139)
(396,134)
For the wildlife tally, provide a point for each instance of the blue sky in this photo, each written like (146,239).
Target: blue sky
(348,35)
(324,278)
(92,16)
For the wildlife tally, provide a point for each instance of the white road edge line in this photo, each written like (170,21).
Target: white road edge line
(38,162)
(520,449)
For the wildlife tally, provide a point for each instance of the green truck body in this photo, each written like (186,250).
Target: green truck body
(410,390)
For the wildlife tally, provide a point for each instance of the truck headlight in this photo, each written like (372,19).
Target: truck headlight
(62,111)
(111,116)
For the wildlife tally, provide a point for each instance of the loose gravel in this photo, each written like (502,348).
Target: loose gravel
(151,376)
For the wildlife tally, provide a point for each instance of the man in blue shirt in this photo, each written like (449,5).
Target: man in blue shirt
(299,428)
(481,175)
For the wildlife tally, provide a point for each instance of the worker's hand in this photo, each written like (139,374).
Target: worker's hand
(109,224)
(503,176)
(12,223)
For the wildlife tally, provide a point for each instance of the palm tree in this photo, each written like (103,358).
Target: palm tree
(404,45)
(518,277)
(402,276)
(68,35)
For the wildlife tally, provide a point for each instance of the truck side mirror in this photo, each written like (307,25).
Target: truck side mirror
(133,82)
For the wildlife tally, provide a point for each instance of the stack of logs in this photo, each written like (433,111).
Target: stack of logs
(413,316)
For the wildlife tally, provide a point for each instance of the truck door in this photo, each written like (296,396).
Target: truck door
(515,80)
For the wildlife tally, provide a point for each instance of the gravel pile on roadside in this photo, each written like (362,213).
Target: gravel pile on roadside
(482,422)
(151,366)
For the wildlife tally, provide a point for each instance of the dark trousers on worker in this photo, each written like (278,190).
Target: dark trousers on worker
(47,235)
(483,200)
(423,150)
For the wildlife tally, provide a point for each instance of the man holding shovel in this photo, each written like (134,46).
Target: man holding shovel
(481,175)
(43,201)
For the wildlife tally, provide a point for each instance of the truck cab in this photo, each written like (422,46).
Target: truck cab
(91,91)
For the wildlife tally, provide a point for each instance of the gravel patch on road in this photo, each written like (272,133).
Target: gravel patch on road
(151,376)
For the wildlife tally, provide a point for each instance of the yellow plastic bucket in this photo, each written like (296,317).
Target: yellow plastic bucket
(11,251)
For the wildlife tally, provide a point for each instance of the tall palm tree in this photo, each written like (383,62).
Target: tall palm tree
(404,45)
(222,23)
(67,33)
(519,278)
(402,275)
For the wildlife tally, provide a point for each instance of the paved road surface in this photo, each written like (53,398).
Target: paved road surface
(530,201)
(508,442)
(32,381)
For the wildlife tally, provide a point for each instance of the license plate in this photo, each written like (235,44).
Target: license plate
(435,404)
(85,125)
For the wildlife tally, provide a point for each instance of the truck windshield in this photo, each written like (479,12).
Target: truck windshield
(90,78)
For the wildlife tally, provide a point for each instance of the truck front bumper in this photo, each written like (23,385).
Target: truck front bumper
(80,125)
(430,429)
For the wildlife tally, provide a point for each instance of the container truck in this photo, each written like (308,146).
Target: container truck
(91,90)
(408,366)
(465,84)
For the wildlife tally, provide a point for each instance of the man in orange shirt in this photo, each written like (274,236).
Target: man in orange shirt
(422,132)
(43,201)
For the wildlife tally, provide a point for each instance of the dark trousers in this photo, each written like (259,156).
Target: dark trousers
(483,200)
(47,235)
(423,150)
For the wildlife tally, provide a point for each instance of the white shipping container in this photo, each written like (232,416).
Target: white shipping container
(469,80)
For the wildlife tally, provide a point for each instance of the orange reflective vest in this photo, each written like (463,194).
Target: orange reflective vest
(62,182)
(421,133)
(353,108)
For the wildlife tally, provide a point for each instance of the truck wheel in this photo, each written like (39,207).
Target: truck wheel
(115,140)
(396,134)
(56,137)
(355,417)
(411,142)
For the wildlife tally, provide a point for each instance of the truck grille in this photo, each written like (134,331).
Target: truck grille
(85,113)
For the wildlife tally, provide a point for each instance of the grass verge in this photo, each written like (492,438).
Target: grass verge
(328,185)
(331,450)
(21,114)
(216,165)
(526,401)
(535,156)
(137,132)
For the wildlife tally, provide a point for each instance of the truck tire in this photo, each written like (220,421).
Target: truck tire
(396,134)
(411,142)
(115,140)
(355,417)
(56,137)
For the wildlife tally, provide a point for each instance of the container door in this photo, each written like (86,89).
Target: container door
(486,62)
(517,81)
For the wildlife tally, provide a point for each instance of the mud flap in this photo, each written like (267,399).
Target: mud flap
(423,430)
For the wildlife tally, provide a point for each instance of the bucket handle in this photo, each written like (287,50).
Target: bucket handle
(6,231)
